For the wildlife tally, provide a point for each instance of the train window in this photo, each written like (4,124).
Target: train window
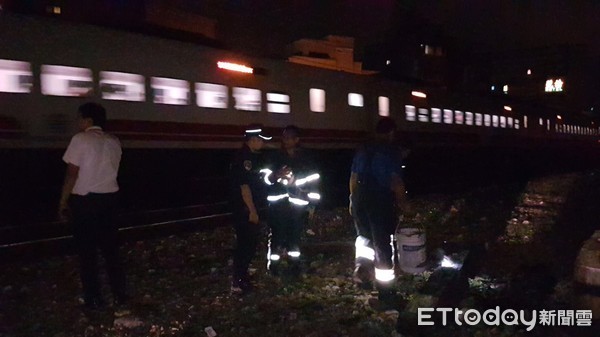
(317,100)
(210,95)
(487,120)
(541,121)
(503,121)
(495,121)
(15,76)
(278,103)
(509,122)
(469,118)
(423,115)
(170,91)
(247,99)
(66,81)
(517,124)
(448,116)
(525,122)
(356,100)
(458,117)
(122,86)
(548,124)
(478,119)
(410,112)
(436,115)
(384,106)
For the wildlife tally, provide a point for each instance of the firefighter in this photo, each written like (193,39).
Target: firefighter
(377,192)
(292,192)
(248,196)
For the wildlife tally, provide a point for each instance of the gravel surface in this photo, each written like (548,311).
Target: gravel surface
(517,244)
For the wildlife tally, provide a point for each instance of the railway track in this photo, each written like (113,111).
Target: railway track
(55,237)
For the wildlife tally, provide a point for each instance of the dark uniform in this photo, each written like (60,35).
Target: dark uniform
(289,200)
(373,210)
(245,170)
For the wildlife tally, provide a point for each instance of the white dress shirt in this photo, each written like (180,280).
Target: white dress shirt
(97,154)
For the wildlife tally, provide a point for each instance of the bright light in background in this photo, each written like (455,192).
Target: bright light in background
(419,94)
(448,263)
(507,108)
(493,87)
(235,67)
(554,85)
(54,10)
(528,71)
(558,117)
(388,62)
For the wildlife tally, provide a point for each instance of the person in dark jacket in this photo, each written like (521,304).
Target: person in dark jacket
(248,196)
(377,193)
(293,189)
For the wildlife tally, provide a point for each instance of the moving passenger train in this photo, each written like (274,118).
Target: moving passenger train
(162,94)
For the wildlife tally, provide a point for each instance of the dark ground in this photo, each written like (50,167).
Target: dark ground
(522,239)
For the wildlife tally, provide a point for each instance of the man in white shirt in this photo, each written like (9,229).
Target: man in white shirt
(90,193)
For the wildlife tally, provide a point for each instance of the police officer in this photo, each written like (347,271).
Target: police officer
(293,189)
(248,196)
(376,193)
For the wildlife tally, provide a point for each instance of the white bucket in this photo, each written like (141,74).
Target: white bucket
(410,245)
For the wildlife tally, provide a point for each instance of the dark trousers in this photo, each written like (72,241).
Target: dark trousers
(94,227)
(286,221)
(246,234)
(375,219)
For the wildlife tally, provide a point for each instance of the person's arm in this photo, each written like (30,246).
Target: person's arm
(352,184)
(247,197)
(70,179)
(397,186)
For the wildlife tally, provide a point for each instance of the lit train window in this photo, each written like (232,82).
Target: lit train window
(356,100)
(503,121)
(469,118)
(436,115)
(317,100)
(210,95)
(448,116)
(423,115)
(170,91)
(247,99)
(384,106)
(541,121)
(487,120)
(15,76)
(410,112)
(525,122)
(122,86)
(66,81)
(517,124)
(495,121)
(458,117)
(548,124)
(278,103)
(478,119)
(509,122)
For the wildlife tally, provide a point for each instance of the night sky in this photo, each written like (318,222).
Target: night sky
(266,26)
